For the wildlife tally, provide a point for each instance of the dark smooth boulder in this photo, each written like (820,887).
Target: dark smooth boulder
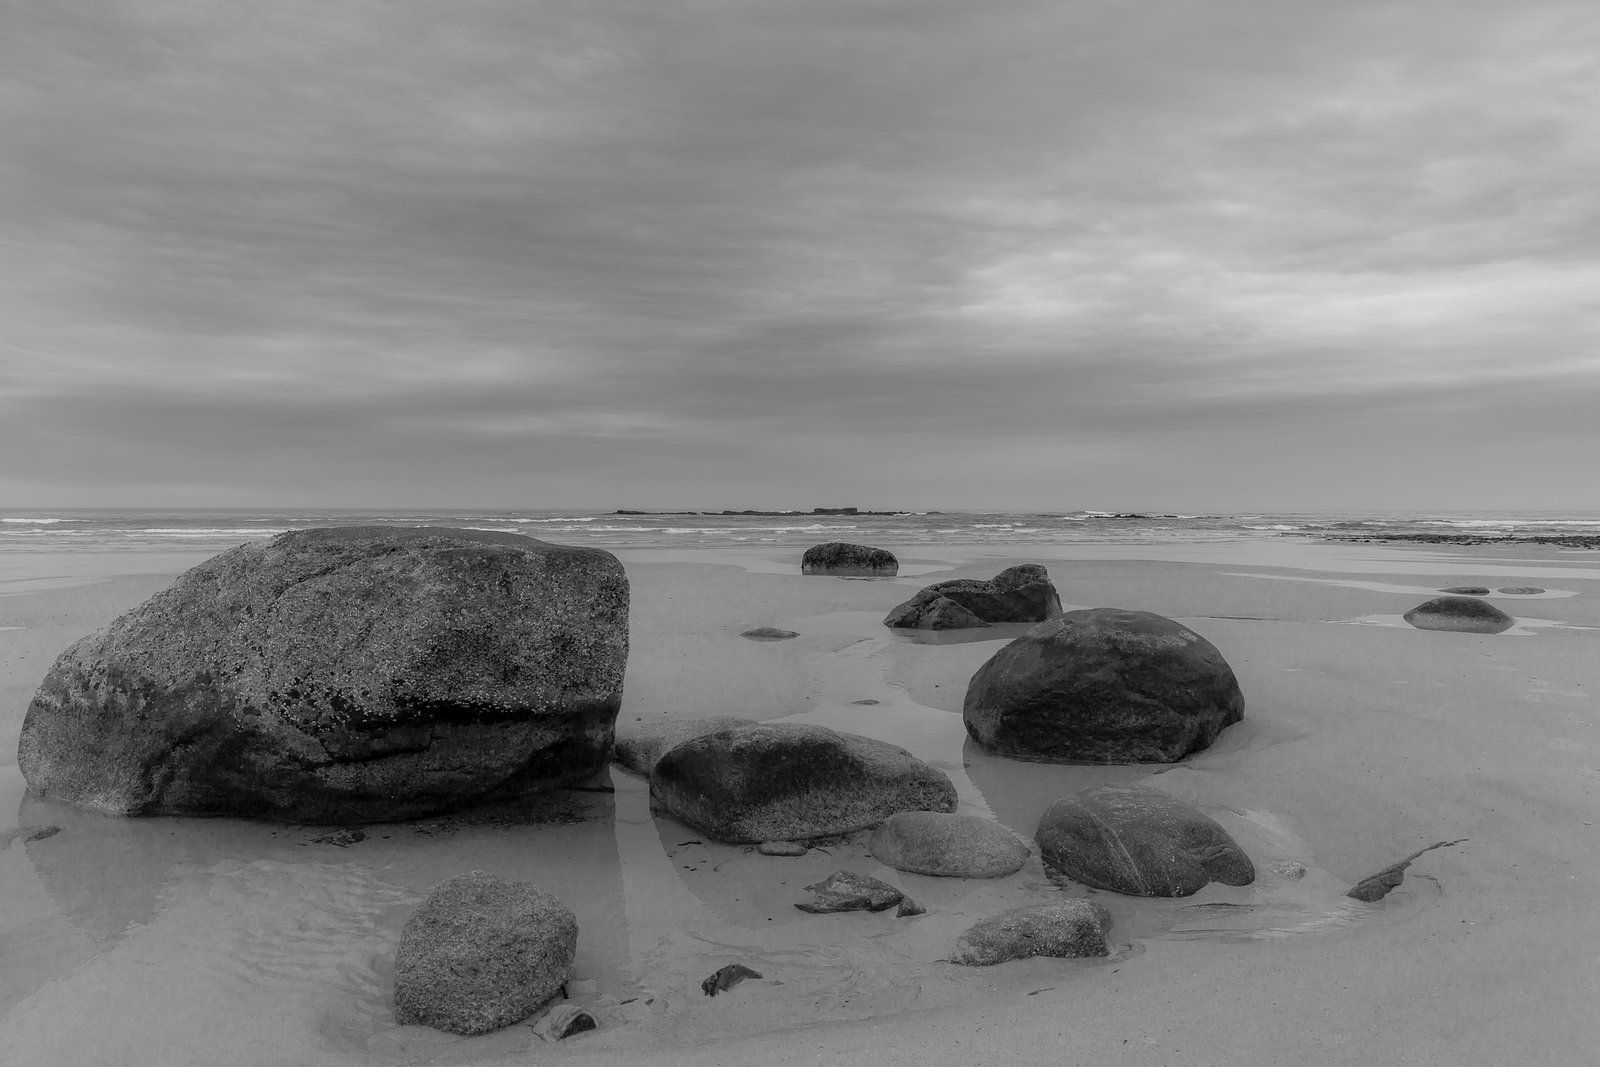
(1017,594)
(947,845)
(792,781)
(481,953)
(1467,590)
(1065,929)
(848,891)
(1103,685)
(1459,613)
(840,557)
(347,674)
(639,745)
(1140,841)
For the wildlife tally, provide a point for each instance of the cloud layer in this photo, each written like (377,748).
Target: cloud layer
(936,254)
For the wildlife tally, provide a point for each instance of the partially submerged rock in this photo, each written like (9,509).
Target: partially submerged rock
(1140,841)
(1017,594)
(791,782)
(1375,887)
(349,674)
(564,1020)
(726,978)
(482,952)
(947,845)
(640,745)
(1521,590)
(843,558)
(1103,685)
(769,633)
(1460,613)
(1467,590)
(848,891)
(1066,929)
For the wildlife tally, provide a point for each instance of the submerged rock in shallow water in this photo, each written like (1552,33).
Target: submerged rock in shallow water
(848,891)
(1065,929)
(1017,594)
(482,952)
(1459,613)
(1140,841)
(769,633)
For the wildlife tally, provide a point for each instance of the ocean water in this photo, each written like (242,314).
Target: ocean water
(35,529)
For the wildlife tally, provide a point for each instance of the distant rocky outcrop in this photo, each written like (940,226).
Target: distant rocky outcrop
(481,953)
(1461,613)
(947,845)
(640,745)
(1017,594)
(1066,929)
(347,674)
(1103,685)
(1140,841)
(791,782)
(842,558)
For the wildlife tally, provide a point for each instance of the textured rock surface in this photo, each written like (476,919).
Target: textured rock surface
(840,557)
(1467,590)
(947,845)
(1017,594)
(343,674)
(481,953)
(640,745)
(1064,929)
(792,781)
(1103,685)
(789,849)
(1140,841)
(1521,590)
(848,891)
(1460,613)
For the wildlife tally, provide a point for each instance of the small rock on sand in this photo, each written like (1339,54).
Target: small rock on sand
(1064,929)
(1467,590)
(848,891)
(769,633)
(564,1020)
(726,978)
(782,848)
(1521,590)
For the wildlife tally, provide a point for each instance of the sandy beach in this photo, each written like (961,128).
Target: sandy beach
(183,941)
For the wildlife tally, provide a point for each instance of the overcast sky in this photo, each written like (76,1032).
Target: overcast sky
(1213,255)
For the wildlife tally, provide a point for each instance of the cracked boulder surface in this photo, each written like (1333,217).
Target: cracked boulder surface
(342,674)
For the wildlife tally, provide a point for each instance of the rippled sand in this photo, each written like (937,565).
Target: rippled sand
(182,941)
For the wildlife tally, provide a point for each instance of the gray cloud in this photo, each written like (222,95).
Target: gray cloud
(417,253)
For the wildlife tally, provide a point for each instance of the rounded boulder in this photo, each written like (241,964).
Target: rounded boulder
(1460,613)
(841,557)
(947,845)
(1022,593)
(1139,841)
(346,674)
(1103,685)
(1065,929)
(792,781)
(482,952)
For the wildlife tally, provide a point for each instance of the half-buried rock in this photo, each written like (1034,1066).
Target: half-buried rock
(481,953)
(947,845)
(843,558)
(348,674)
(792,781)
(1140,841)
(1103,685)
(1017,594)
(1065,929)
(1462,613)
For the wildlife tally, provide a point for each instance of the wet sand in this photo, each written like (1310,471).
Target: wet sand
(181,941)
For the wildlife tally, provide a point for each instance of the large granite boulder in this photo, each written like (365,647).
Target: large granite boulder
(947,845)
(481,953)
(1461,613)
(1103,685)
(1017,594)
(348,674)
(1140,841)
(640,745)
(840,557)
(792,781)
(1064,929)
